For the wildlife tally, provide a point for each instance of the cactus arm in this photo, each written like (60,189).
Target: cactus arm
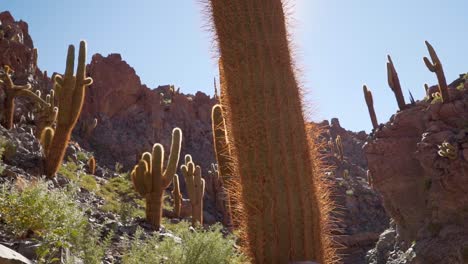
(177,196)
(46,139)
(173,156)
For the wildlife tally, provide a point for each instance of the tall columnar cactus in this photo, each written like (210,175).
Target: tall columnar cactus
(12,91)
(195,188)
(436,67)
(339,148)
(150,179)
(177,196)
(223,156)
(370,106)
(283,198)
(394,83)
(92,165)
(70,91)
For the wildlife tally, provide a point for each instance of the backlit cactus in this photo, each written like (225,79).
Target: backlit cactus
(195,188)
(46,139)
(150,179)
(70,91)
(436,67)
(223,155)
(370,106)
(12,91)
(284,200)
(394,83)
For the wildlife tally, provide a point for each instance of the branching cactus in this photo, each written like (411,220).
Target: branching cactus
(92,165)
(436,67)
(12,91)
(177,196)
(70,90)
(370,106)
(46,114)
(283,198)
(394,83)
(150,179)
(223,156)
(195,189)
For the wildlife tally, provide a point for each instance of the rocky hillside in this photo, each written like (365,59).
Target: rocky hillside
(418,162)
(132,117)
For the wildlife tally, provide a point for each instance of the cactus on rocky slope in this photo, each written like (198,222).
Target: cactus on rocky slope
(46,114)
(436,67)
(92,165)
(12,91)
(70,91)
(394,83)
(195,188)
(284,199)
(370,106)
(150,179)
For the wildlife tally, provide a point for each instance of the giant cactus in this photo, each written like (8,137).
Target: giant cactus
(12,91)
(436,67)
(195,188)
(150,179)
(46,114)
(70,91)
(283,197)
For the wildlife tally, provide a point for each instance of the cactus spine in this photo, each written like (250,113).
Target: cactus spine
(394,83)
(177,195)
(70,91)
(195,189)
(436,67)
(92,165)
(12,91)
(370,106)
(150,179)
(223,155)
(282,196)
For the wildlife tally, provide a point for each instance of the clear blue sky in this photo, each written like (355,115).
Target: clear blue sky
(340,45)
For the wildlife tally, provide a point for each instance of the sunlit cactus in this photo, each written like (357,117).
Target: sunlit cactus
(284,202)
(195,188)
(150,179)
(70,91)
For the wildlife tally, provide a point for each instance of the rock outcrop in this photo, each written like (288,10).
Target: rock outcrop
(418,161)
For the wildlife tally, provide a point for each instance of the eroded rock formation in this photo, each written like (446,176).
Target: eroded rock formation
(418,161)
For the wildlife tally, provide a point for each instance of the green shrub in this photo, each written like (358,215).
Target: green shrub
(81,156)
(51,216)
(195,247)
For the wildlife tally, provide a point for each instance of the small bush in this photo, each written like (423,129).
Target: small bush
(53,218)
(195,247)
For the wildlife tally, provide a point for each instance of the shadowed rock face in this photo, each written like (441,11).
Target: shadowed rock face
(424,192)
